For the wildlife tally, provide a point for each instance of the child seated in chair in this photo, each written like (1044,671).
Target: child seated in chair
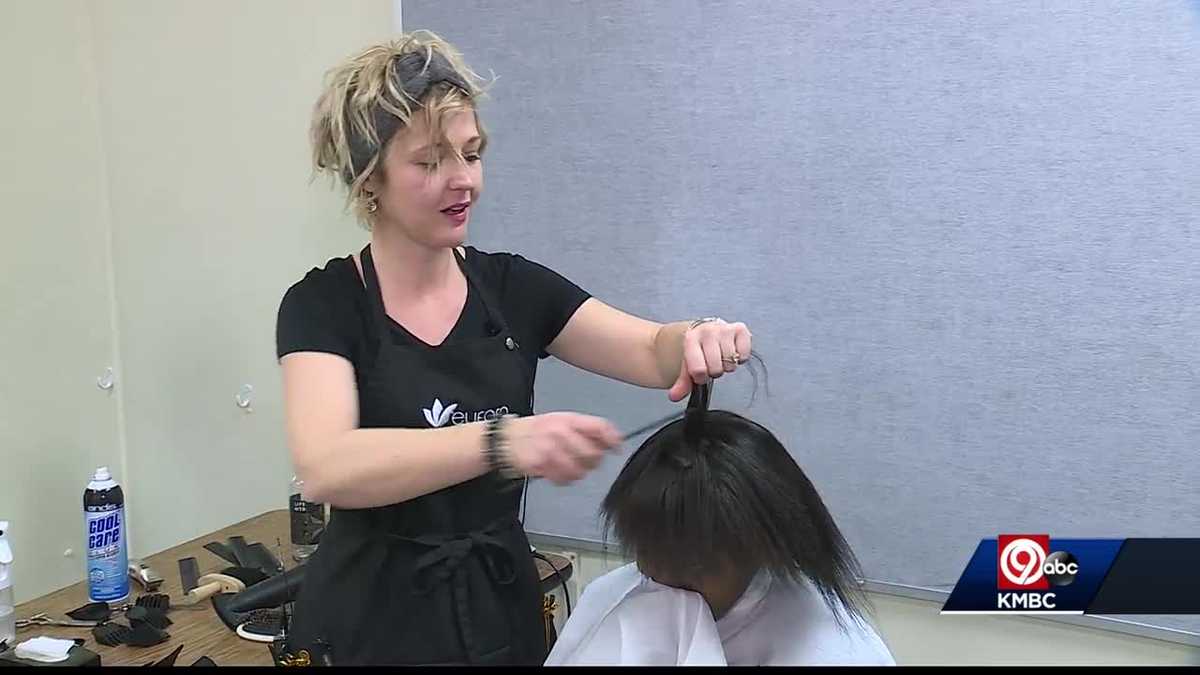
(738,561)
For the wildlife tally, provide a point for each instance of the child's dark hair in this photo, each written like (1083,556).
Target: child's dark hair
(715,488)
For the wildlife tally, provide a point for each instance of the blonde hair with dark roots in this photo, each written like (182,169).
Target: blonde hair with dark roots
(368,98)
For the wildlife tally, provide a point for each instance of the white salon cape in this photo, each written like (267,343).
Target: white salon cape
(625,618)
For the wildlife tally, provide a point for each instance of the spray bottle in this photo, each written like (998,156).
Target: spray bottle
(107,548)
(8,619)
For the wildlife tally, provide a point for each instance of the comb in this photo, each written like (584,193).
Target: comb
(159,601)
(516,483)
(652,425)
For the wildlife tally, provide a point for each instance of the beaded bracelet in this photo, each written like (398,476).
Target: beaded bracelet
(496,449)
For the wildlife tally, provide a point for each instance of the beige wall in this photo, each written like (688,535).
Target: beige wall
(56,332)
(205,110)
(177,130)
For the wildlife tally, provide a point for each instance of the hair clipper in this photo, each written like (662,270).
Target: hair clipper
(147,578)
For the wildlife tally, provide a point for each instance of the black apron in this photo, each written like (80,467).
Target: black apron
(447,577)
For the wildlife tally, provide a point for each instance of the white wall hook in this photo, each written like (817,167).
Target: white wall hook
(243,397)
(105,381)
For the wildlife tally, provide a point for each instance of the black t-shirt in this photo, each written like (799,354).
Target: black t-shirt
(328,310)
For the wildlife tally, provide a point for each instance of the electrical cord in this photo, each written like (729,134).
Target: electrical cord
(561,581)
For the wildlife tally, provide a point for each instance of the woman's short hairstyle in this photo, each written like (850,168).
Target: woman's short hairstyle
(716,489)
(372,95)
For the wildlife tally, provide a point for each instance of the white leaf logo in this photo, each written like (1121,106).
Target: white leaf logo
(437,416)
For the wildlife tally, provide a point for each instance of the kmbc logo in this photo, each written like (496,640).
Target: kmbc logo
(1025,563)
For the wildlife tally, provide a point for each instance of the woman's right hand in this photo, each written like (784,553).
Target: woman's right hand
(560,446)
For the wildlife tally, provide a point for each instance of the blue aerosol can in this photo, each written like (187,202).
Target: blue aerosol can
(107,540)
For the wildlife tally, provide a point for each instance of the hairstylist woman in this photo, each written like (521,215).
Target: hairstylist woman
(408,377)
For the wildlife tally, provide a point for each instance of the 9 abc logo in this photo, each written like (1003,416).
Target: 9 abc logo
(1026,564)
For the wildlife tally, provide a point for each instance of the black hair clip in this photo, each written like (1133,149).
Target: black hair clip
(697,406)
(698,401)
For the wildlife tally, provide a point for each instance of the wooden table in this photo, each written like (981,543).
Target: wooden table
(196,627)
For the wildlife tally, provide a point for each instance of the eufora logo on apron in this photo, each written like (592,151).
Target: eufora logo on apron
(438,415)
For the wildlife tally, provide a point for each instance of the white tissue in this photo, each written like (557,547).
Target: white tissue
(45,649)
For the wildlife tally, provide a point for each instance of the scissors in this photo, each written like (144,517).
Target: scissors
(43,619)
(698,401)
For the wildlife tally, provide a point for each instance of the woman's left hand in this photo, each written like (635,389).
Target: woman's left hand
(710,349)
